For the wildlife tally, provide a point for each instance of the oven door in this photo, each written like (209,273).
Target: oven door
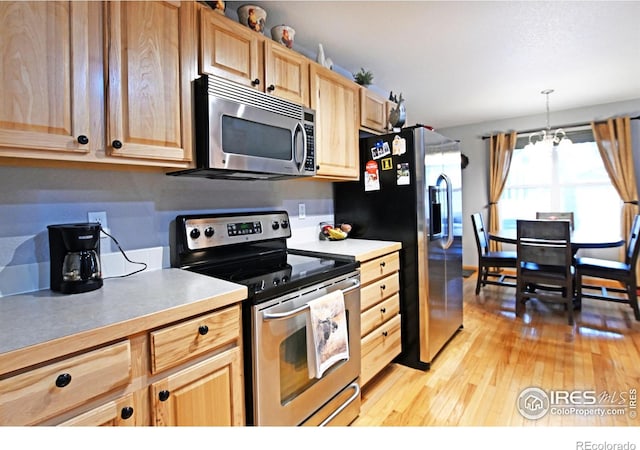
(283,393)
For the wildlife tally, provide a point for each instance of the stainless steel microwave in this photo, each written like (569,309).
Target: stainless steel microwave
(242,134)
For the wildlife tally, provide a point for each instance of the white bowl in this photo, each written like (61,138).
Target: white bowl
(283,34)
(252,16)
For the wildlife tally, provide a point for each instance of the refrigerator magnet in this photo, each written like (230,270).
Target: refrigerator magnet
(403,177)
(371,177)
(387,164)
(380,150)
(399,145)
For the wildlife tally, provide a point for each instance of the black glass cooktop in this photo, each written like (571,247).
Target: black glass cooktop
(269,276)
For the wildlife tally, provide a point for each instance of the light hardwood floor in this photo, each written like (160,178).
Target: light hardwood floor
(477,378)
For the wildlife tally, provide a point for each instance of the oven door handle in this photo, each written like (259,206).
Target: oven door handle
(301,309)
(350,400)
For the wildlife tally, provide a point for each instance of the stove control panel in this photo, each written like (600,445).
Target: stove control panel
(214,230)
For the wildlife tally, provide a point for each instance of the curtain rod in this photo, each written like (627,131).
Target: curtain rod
(575,125)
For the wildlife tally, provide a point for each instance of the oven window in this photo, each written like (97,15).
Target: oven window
(244,137)
(294,371)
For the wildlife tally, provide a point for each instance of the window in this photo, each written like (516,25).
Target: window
(568,177)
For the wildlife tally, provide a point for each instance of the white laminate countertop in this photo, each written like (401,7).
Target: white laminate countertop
(121,307)
(357,249)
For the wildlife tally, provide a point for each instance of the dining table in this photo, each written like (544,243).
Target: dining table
(579,238)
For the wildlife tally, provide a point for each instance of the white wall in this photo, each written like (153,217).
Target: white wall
(140,208)
(475,177)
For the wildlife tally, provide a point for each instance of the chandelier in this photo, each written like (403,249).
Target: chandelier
(545,138)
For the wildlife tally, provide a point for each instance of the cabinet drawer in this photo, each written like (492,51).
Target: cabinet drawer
(120,412)
(379,314)
(379,348)
(379,267)
(379,290)
(178,343)
(38,394)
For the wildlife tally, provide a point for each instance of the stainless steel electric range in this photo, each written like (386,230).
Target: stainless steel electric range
(251,249)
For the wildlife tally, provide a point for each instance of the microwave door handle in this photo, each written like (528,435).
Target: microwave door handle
(300,129)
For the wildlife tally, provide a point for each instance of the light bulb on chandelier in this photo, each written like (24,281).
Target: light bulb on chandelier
(545,138)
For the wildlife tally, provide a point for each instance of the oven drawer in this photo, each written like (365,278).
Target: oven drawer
(175,344)
(379,290)
(379,348)
(34,396)
(376,316)
(379,267)
(340,411)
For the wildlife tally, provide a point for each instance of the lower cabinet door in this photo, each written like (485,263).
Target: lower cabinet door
(209,393)
(379,348)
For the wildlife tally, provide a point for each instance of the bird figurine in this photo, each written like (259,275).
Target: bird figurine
(398,115)
(322,59)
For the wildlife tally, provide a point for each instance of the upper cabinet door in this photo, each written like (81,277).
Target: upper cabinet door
(373,111)
(336,101)
(148,90)
(229,50)
(286,73)
(44,73)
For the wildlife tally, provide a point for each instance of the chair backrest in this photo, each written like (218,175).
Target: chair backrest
(633,244)
(545,243)
(482,239)
(556,216)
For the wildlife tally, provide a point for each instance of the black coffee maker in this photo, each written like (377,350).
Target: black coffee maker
(75,257)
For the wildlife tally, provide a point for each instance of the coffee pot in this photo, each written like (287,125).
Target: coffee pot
(74,249)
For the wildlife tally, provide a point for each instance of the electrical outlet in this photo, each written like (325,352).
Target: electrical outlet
(302,211)
(100,217)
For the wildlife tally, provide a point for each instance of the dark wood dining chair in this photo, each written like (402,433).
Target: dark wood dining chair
(623,272)
(556,216)
(490,262)
(544,264)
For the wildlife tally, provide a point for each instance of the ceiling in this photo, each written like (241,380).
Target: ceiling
(464,62)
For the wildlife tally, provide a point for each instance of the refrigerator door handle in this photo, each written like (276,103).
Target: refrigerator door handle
(449,192)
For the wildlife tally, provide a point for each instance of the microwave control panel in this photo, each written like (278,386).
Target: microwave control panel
(310,163)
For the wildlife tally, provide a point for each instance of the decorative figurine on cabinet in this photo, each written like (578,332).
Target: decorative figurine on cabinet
(398,115)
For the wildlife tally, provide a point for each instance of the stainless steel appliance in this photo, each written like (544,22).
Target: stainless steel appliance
(74,251)
(411,191)
(242,133)
(251,249)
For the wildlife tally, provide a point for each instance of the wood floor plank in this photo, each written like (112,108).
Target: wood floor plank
(478,377)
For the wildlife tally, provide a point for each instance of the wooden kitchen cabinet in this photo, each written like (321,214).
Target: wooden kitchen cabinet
(178,374)
(380,313)
(286,73)
(36,395)
(45,89)
(229,50)
(237,53)
(336,101)
(209,392)
(116,413)
(374,112)
(95,82)
(148,85)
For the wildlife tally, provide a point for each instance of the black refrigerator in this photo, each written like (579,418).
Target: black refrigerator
(410,190)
